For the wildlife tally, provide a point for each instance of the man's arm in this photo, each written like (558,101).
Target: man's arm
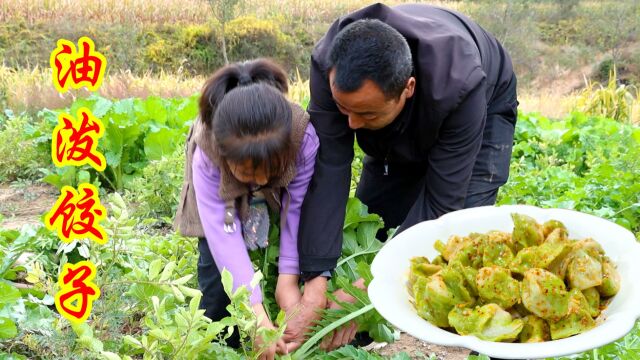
(323,209)
(451,160)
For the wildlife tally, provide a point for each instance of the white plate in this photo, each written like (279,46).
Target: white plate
(390,297)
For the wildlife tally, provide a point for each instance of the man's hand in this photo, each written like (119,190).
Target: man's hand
(305,312)
(346,333)
(288,293)
(267,351)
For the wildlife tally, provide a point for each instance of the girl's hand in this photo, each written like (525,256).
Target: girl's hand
(289,298)
(267,351)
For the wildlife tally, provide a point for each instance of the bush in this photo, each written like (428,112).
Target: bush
(249,38)
(157,191)
(614,101)
(511,22)
(22,154)
(192,49)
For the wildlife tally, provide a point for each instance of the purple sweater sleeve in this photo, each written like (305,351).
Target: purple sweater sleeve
(288,262)
(229,250)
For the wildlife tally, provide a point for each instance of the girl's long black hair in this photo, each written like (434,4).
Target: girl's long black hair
(244,105)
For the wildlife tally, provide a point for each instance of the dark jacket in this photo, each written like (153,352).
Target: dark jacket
(459,68)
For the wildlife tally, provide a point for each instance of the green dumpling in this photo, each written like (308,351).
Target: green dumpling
(470,252)
(591,247)
(436,295)
(439,260)
(535,330)
(561,263)
(558,235)
(495,285)
(454,244)
(577,320)
(420,266)
(526,232)
(537,257)
(551,226)
(489,322)
(610,279)
(584,271)
(469,274)
(593,299)
(502,237)
(497,254)
(544,294)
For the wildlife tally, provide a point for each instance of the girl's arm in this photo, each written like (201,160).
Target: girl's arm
(288,263)
(228,250)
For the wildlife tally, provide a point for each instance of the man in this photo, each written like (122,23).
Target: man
(431,99)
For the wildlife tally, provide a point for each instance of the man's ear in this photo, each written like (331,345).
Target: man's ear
(410,87)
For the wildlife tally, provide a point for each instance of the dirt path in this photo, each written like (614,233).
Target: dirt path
(417,349)
(23,204)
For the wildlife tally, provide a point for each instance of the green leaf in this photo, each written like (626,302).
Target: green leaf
(187,291)
(357,212)
(130,340)
(108,355)
(8,294)
(113,145)
(159,144)
(100,107)
(154,269)
(478,357)
(168,271)
(84,177)
(364,270)
(182,280)
(12,356)
(194,303)
(8,328)
(227,282)
(636,135)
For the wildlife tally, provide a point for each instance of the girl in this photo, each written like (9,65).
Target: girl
(250,148)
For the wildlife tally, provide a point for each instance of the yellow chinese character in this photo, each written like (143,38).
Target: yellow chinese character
(74,142)
(77,215)
(85,65)
(77,291)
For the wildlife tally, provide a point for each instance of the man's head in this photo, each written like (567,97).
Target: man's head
(370,73)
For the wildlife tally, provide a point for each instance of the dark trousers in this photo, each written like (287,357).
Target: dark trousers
(392,196)
(214,300)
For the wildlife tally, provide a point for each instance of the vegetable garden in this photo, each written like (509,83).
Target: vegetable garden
(148,308)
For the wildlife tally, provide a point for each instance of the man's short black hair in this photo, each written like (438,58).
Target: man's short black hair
(370,49)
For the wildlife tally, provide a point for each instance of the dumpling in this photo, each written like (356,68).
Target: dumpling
(544,294)
(489,322)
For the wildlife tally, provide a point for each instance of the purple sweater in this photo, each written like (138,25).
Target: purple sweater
(228,250)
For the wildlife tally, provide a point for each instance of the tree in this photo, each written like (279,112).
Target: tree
(224,11)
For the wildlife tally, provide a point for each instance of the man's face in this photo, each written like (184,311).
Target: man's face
(368,107)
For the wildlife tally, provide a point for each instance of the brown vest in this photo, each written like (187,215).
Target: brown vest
(234,193)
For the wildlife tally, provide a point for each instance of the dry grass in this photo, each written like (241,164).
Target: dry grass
(32,90)
(109,11)
(177,11)
(322,11)
(546,103)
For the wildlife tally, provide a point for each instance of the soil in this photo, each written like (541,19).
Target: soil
(417,349)
(22,204)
